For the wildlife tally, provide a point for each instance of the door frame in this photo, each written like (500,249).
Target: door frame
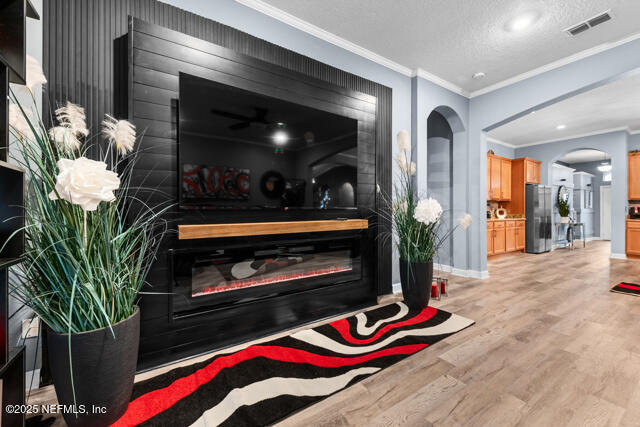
(602,187)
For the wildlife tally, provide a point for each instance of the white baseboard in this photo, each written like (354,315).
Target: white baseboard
(396,288)
(474,274)
(618,256)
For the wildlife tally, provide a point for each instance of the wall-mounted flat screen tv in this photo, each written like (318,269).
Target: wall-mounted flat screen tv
(242,150)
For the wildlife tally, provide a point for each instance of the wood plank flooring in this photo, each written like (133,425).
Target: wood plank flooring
(551,347)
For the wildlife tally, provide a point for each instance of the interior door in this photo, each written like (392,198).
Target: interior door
(605,212)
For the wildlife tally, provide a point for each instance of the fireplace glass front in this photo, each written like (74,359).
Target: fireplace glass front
(221,276)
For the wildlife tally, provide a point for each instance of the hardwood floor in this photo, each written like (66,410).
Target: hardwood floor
(551,346)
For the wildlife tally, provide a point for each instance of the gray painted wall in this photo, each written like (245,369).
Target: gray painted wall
(615,144)
(634,142)
(501,150)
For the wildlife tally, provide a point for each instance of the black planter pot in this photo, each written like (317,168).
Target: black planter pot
(103,371)
(416,278)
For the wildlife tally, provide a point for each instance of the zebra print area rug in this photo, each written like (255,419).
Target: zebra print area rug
(264,383)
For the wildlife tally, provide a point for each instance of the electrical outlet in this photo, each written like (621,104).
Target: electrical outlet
(30,327)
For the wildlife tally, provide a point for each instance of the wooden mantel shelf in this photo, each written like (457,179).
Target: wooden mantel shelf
(209,231)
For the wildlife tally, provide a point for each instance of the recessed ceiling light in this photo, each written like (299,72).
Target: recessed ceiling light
(560,127)
(478,75)
(522,21)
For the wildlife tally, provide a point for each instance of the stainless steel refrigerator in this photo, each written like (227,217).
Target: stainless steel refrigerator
(538,211)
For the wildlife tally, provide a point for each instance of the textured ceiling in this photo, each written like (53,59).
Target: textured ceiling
(453,39)
(584,156)
(613,106)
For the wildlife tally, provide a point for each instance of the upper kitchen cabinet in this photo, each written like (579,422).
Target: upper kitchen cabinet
(498,178)
(634,176)
(532,169)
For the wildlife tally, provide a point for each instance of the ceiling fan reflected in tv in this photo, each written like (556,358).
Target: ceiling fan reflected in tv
(234,141)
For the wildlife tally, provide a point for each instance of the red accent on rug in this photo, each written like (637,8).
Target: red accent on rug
(152,403)
(342,326)
(627,286)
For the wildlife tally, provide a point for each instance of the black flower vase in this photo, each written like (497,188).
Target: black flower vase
(416,279)
(104,368)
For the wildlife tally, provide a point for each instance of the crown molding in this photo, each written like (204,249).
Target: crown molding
(634,132)
(555,64)
(318,32)
(419,72)
(497,141)
(581,135)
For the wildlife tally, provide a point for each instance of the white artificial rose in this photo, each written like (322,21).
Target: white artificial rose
(403,140)
(85,182)
(465,221)
(428,211)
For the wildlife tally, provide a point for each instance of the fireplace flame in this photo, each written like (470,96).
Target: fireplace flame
(249,283)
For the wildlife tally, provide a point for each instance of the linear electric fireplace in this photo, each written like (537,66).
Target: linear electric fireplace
(207,279)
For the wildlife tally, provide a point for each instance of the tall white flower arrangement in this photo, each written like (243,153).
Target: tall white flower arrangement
(416,221)
(87,250)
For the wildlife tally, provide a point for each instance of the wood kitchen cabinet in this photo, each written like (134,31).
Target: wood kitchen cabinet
(520,236)
(498,178)
(505,179)
(504,236)
(633,237)
(489,238)
(634,176)
(499,238)
(510,237)
(532,168)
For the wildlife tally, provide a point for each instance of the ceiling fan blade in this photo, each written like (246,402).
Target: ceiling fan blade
(229,115)
(239,126)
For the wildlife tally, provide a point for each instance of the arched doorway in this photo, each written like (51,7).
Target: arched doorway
(587,174)
(440,175)
(444,132)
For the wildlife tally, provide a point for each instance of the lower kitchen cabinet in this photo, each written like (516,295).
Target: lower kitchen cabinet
(505,236)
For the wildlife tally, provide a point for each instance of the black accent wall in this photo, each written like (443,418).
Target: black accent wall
(86,51)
